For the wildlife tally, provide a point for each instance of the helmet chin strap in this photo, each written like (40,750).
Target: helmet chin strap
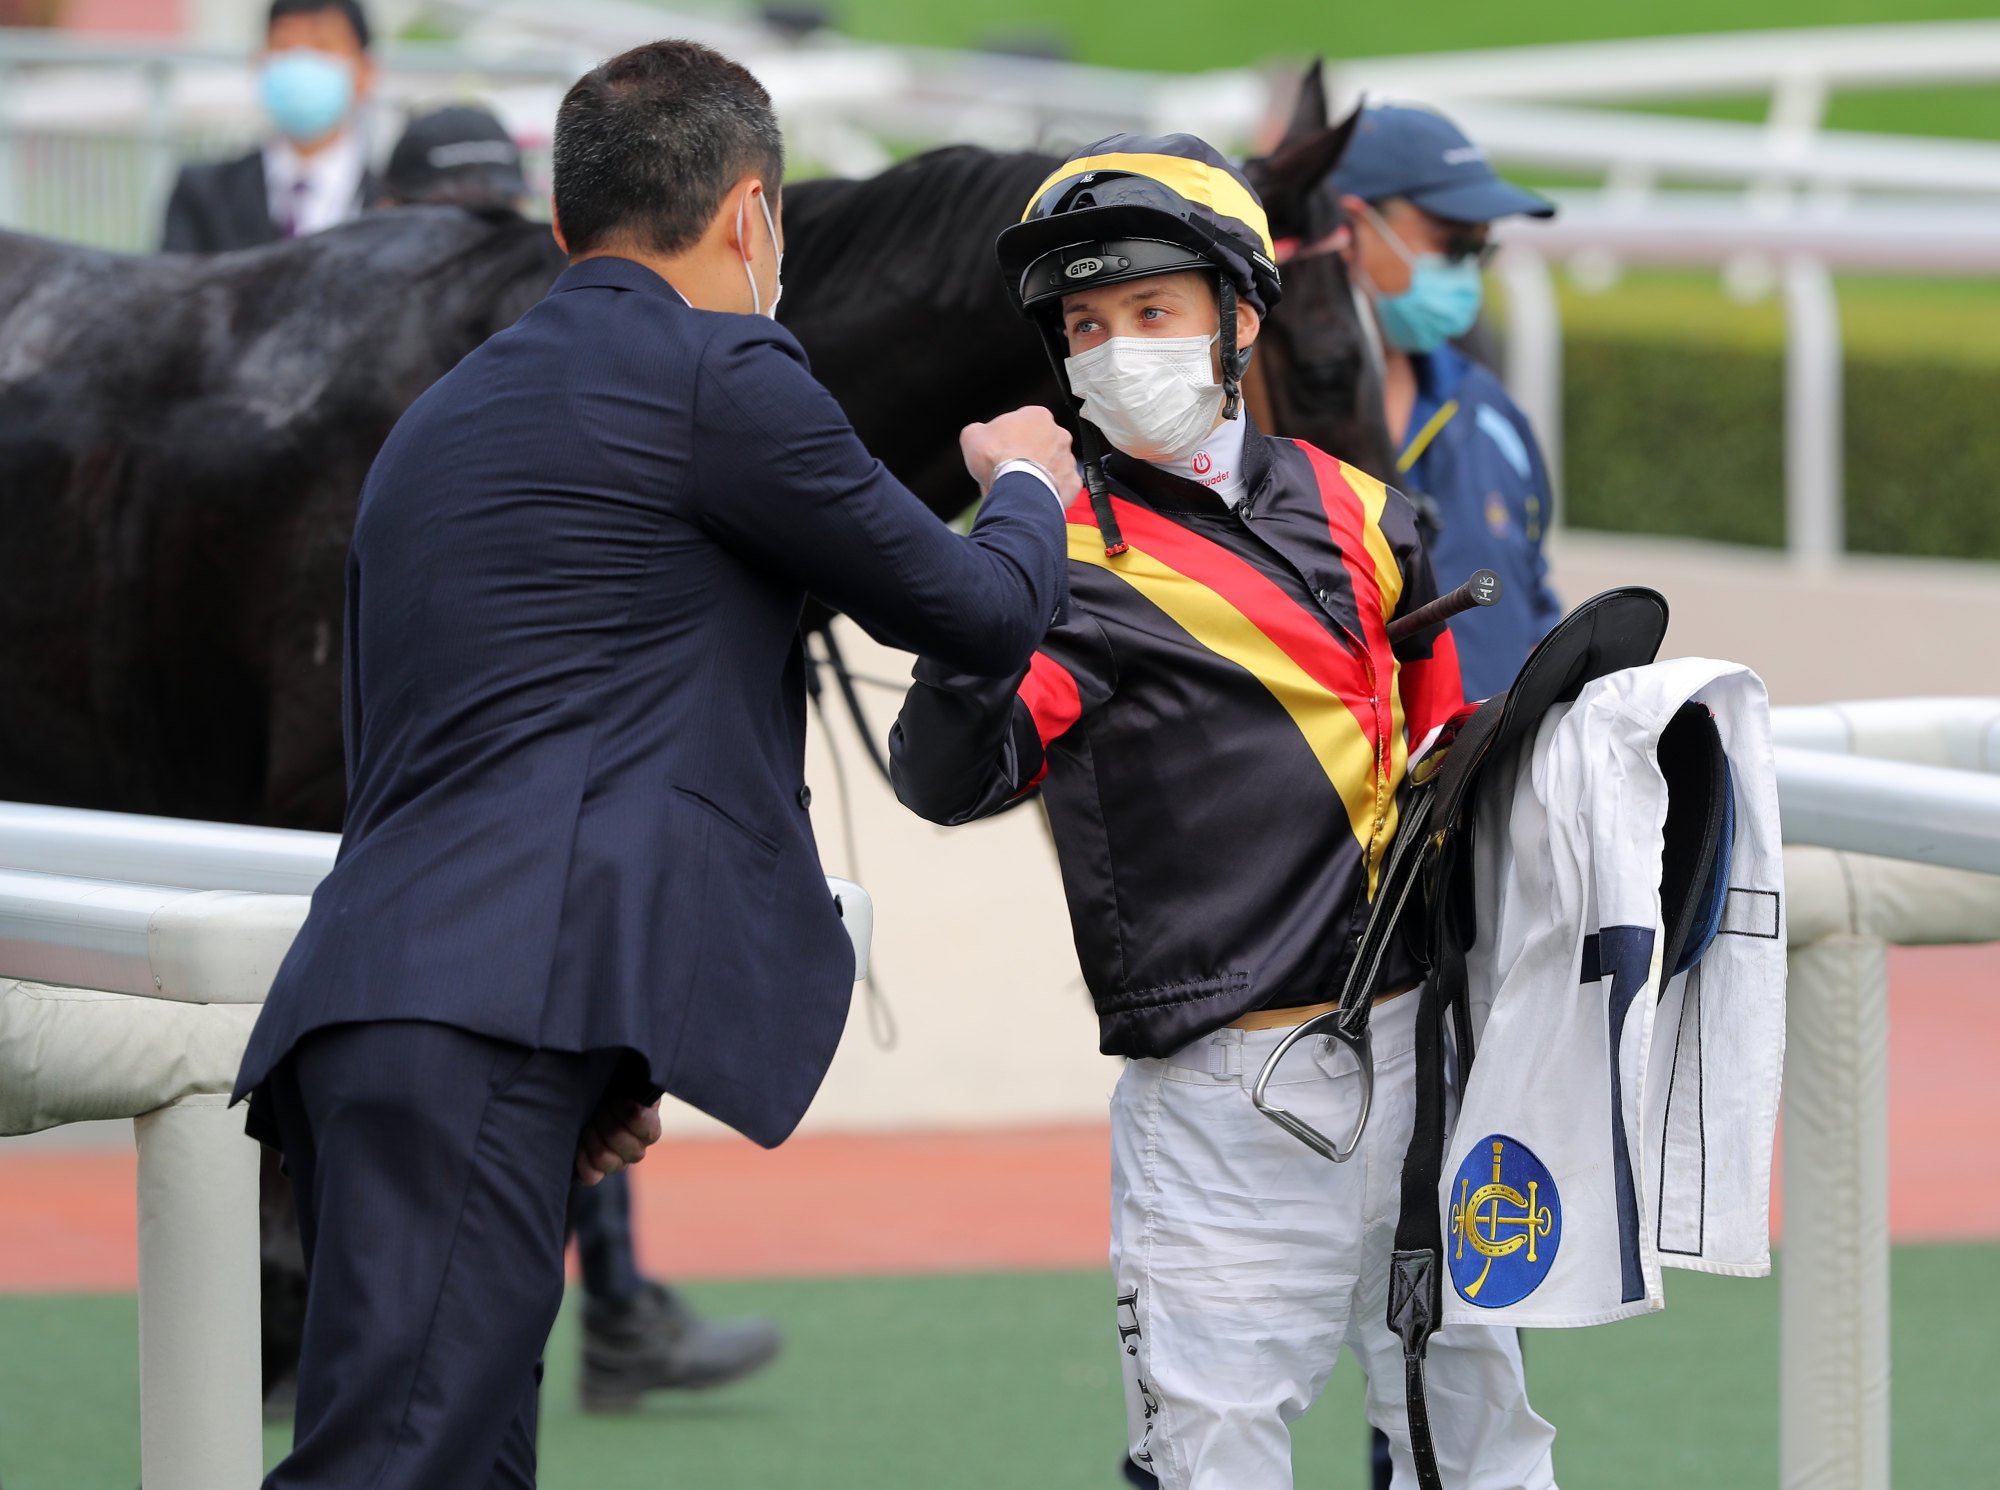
(1092,442)
(1100,491)
(1234,363)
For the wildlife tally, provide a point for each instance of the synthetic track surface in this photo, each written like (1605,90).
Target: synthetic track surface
(1025,1200)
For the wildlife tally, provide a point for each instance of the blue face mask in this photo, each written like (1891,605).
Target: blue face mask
(305,93)
(1441,302)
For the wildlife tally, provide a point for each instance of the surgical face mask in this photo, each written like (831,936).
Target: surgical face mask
(757,306)
(1441,302)
(1154,397)
(305,93)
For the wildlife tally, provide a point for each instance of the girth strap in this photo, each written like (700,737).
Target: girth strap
(1416,1279)
(1413,1300)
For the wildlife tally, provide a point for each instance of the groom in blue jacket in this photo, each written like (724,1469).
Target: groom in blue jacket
(578,869)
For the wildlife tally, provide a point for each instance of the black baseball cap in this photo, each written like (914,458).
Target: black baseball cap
(455,154)
(1421,156)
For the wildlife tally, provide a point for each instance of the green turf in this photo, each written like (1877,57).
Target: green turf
(1196,33)
(1007,1383)
(1193,34)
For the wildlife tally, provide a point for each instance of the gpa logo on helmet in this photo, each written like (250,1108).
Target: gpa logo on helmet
(1084,268)
(1506,1223)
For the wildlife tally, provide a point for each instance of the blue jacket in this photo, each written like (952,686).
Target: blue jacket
(1472,453)
(575,704)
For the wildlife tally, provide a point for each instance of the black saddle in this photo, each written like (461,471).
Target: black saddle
(1426,893)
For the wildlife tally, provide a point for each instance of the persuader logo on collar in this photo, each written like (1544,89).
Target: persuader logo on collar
(1203,466)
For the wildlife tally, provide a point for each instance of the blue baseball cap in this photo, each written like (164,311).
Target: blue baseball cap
(1423,157)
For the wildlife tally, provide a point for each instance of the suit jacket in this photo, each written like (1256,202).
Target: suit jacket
(574,695)
(225,204)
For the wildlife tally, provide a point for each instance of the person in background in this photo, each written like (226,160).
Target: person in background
(312,170)
(457,156)
(1421,199)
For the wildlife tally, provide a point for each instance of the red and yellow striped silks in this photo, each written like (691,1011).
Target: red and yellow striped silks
(1342,707)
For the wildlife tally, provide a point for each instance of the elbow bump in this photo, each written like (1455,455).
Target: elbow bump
(999,656)
(926,804)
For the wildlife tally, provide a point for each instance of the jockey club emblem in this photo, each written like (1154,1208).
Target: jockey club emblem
(1506,1222)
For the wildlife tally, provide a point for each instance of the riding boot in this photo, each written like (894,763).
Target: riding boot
(653,1341)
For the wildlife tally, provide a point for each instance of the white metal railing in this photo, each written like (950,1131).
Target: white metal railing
(1639,148)
(1799,244)
(112,117)
(1722,65)
(1963,733)
(175,929)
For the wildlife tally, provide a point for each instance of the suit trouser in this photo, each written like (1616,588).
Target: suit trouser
(432,1169)
(602,1215)
(1245,1263)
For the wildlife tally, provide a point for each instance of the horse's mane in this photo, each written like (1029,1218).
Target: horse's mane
(929,221)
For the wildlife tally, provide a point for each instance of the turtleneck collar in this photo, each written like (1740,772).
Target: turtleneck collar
(1217,463)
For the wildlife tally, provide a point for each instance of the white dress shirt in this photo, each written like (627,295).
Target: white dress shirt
(310,192)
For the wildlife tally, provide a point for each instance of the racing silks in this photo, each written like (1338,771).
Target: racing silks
(1219,730)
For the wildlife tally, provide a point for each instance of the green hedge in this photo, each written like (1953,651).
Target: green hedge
(1682,439)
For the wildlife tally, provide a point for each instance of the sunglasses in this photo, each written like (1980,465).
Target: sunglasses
(1462,240)
(1464,244)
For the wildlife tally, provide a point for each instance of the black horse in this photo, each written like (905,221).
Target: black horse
(183,440)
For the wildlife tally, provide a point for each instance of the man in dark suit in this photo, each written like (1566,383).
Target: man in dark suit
(578,868)
(312,172)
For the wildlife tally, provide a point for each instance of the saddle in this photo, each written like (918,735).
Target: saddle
(1426,893)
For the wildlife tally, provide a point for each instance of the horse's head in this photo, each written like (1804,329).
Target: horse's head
(1314,378)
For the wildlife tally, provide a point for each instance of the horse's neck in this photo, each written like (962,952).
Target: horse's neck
(893,291)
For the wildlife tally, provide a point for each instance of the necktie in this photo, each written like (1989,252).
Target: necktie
(295,207)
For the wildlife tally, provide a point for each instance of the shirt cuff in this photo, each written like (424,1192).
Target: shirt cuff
(1034,468)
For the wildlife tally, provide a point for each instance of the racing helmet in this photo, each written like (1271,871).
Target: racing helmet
(1127,207)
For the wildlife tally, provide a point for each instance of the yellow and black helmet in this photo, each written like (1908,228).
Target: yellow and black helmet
(1134,205)
(1131,206)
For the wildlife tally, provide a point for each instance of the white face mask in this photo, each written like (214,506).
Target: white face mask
(1154,397)
(757,306)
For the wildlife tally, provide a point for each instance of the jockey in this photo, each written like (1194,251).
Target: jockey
(1219,727)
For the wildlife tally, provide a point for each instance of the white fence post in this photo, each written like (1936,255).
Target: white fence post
(1833,1411)
(1845,908)
(10,150)
(200,1366)
(1534,355)
(158,151)
(1815,517)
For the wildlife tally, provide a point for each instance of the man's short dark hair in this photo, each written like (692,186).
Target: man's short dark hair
(356,16)
(647,143)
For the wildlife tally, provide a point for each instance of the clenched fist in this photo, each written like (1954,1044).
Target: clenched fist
(1025,434)
(616,1138)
